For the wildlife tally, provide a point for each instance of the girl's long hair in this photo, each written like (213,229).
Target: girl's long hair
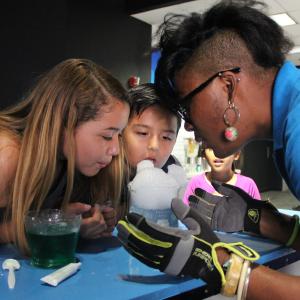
(69,94)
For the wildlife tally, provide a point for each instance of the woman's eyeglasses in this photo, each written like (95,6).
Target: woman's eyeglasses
(183,104)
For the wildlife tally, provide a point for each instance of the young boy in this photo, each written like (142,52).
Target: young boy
(150,134)
(152,130)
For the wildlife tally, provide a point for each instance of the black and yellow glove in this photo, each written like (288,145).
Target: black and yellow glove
(234,211)
(179,252)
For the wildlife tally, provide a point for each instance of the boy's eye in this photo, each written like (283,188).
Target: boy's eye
(168,138)
(141,133)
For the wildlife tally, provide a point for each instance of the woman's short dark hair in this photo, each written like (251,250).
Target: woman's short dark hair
(181,36)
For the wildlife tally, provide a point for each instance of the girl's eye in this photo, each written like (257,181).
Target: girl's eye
(107,138)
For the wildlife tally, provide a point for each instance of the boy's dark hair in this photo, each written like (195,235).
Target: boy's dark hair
(144,96)
(229,33)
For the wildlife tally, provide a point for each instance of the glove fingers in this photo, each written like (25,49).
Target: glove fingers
(230,190)
(194,221)
(145,260)
(181,211)
(153,230)
(205,209)
(130,236)
(219,187)
(239,191)
(146,252)
(131,246)
(210,198)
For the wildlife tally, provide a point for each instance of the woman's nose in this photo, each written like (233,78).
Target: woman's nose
(188,126)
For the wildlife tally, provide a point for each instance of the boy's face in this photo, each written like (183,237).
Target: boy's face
(151,135)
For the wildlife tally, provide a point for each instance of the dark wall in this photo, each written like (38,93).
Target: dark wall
(36,35)
(258,163)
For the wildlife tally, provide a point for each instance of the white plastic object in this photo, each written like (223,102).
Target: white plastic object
(152,188)
(11,265)
(61,274)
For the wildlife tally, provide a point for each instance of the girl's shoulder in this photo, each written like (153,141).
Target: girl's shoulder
(245,182)
(198,180)
(9,140)
(9,152)
(9,157)
(243,178)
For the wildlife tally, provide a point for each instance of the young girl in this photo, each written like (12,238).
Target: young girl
(59,148)
(223,170)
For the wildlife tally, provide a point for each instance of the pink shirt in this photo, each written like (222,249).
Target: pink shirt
(245,183)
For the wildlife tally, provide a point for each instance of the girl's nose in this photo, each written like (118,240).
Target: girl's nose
(114,148)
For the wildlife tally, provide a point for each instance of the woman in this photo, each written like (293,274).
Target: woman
(225,72)
(60,149)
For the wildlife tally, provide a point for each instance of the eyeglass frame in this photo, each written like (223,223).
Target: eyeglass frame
(184,103)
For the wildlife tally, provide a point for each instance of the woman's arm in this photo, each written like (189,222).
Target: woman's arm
(266,283)
(279,227)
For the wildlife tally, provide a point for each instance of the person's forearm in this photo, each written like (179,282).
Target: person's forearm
(278,227)
(267,284)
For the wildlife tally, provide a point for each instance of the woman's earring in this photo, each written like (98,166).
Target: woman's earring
(231,133)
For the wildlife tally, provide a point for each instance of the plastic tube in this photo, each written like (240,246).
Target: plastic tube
(61,274)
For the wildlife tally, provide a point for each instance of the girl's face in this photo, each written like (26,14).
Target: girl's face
(97,140)
(151,135)
(207,110)
(223,165)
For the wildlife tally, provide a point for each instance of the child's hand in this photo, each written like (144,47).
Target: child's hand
(109,214)
(78,208)
(92,223)
(93,226)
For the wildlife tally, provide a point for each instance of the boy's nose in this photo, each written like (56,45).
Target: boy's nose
(153,144)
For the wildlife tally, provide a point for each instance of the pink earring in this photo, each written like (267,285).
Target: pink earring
(231,133)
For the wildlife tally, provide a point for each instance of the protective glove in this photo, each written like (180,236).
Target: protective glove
(179,252)
(234,211)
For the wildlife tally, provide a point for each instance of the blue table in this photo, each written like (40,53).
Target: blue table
(102,263)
